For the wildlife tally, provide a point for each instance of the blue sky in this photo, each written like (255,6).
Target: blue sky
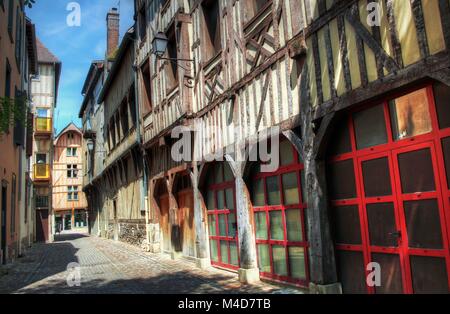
(76,47)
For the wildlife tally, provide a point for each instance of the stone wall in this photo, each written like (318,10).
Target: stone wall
(132,232)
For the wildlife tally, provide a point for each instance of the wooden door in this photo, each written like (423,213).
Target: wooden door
(186,220)
(42,225)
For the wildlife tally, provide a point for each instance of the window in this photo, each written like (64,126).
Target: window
(211,33)
(253,7)
(147,88)
(71,152)
(124,122)
(70,136)
(8,80)
(18,37)
(72,171)
(171,67)
(10,18)
(42,113)
(41,159)
(72,194)
(41,201)
(142,23)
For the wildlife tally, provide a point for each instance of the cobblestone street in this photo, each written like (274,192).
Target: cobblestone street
(114,267)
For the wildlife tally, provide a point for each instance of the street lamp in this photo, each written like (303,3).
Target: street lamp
(90,145)
(159,47)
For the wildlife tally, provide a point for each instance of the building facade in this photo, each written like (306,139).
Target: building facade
(69,205)
(17,63)
(359,92)
(44,92)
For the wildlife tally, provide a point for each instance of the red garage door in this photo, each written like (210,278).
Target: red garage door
(390,194)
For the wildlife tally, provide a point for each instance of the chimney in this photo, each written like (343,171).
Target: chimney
(112,21)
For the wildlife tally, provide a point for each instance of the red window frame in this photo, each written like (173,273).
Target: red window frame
(391,149)
(216,212)
(296,167)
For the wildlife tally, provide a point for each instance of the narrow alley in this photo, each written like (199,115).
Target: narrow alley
(108,267)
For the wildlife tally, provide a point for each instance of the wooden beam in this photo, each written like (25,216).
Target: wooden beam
(317,67)
(417,10)
(444,8)
(344,53)
(393,33)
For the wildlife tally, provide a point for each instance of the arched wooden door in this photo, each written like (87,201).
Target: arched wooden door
(387,177)
(162,199)
(185,199)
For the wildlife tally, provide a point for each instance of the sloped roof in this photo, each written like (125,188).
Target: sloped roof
(44,55)
(70,127)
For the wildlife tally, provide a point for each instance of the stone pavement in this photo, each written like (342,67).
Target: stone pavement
(113,267)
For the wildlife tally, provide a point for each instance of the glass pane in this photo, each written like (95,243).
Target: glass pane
(264,258)
(442,99)
(297,262)
(212,225)
(290,189)
(230,198)
(423,224)
(341,143)
(341,180)
(382,225)
(273,191)
(276,225)
(286,153)
(261,225)
(294,225)
(446,150)
(218,173)
(429,275)
(391,274)
(228,173)
(224,252)
(222,226)
(220,200)
(234,260)
(232,225)
(346,225)
(410,115)
(351,272)
(258,193)
(210,200)
(214,253)
(370,127)
(279,260)
(416,171)
(377,179)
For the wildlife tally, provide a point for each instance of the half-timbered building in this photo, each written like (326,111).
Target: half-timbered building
(359,90)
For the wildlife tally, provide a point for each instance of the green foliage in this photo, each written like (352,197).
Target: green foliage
(12,111)
(30,3)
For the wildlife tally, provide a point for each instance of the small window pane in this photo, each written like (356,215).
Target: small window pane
(264,258)
(377,180)
(258,193)
(446,150)
(341,178)
(214,253)
(410,115)
(224,252)
(218,171)
(234,260)
(442,99)
(382,225)
(391,273)
(276,225)
(286,153)
(416,171)
(423,224)
(351,270)
(297,262)
(230,198)
(273,191)
(290,189)
(279,260)
(294,225)
(232,225)
(210,200)
(212,225)
(347,225)
(228,173)
(370,127)
(261,225)
(220,200)
(429,275)
(222,226)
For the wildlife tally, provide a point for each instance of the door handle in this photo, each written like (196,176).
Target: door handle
(397,234)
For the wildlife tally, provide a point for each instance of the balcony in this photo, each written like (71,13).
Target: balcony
(41,172)
(43,126)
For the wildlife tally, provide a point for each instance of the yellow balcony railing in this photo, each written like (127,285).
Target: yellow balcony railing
(41,172)
(43,125)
